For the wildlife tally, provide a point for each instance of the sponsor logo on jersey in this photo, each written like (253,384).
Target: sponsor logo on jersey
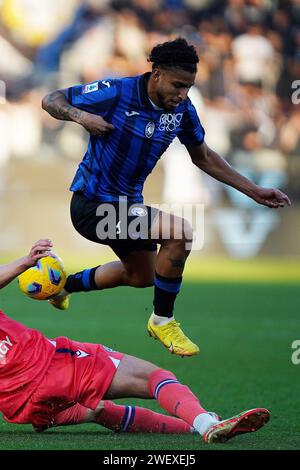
(169,122)
(139,211)
(106,83)
(5,346)
(90,87)
(149,130)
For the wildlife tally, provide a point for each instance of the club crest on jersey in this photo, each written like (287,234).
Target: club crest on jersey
(90,87)
(149,130)
(169,122)
(138,211)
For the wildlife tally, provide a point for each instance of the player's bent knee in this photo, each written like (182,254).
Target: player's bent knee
(178,247)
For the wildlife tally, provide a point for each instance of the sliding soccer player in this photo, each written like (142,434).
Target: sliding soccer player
(49,382)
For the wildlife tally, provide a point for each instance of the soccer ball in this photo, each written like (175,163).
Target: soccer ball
(45,279)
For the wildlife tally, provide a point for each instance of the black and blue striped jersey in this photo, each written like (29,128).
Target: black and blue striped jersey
(118,163)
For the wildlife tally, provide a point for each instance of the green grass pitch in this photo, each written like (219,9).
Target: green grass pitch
(245,331)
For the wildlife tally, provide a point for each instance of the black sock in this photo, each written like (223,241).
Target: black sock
(83,281)
(165,293)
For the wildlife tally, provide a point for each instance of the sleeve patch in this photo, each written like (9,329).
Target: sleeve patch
(90,87)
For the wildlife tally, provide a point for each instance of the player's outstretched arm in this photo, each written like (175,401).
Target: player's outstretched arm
(10,271)
(58,106)
(214,165)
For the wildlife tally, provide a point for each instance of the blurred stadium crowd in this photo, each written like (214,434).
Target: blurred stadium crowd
(249,58)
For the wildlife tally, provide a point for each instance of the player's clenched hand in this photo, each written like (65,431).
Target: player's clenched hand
(40,249)
(272,198)
(94,124)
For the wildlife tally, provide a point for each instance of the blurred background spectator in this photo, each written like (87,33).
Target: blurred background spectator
(249,58)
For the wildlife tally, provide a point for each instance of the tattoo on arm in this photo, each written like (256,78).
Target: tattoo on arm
(58,106)
(176,263)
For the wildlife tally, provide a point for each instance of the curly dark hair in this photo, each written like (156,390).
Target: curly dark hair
(174,54)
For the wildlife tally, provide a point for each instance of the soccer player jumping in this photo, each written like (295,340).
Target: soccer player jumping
(131,122)
(52,382)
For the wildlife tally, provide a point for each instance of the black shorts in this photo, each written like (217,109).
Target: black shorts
(121,225)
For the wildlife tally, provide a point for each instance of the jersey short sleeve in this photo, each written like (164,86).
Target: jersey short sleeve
(96,97)
(192,132)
